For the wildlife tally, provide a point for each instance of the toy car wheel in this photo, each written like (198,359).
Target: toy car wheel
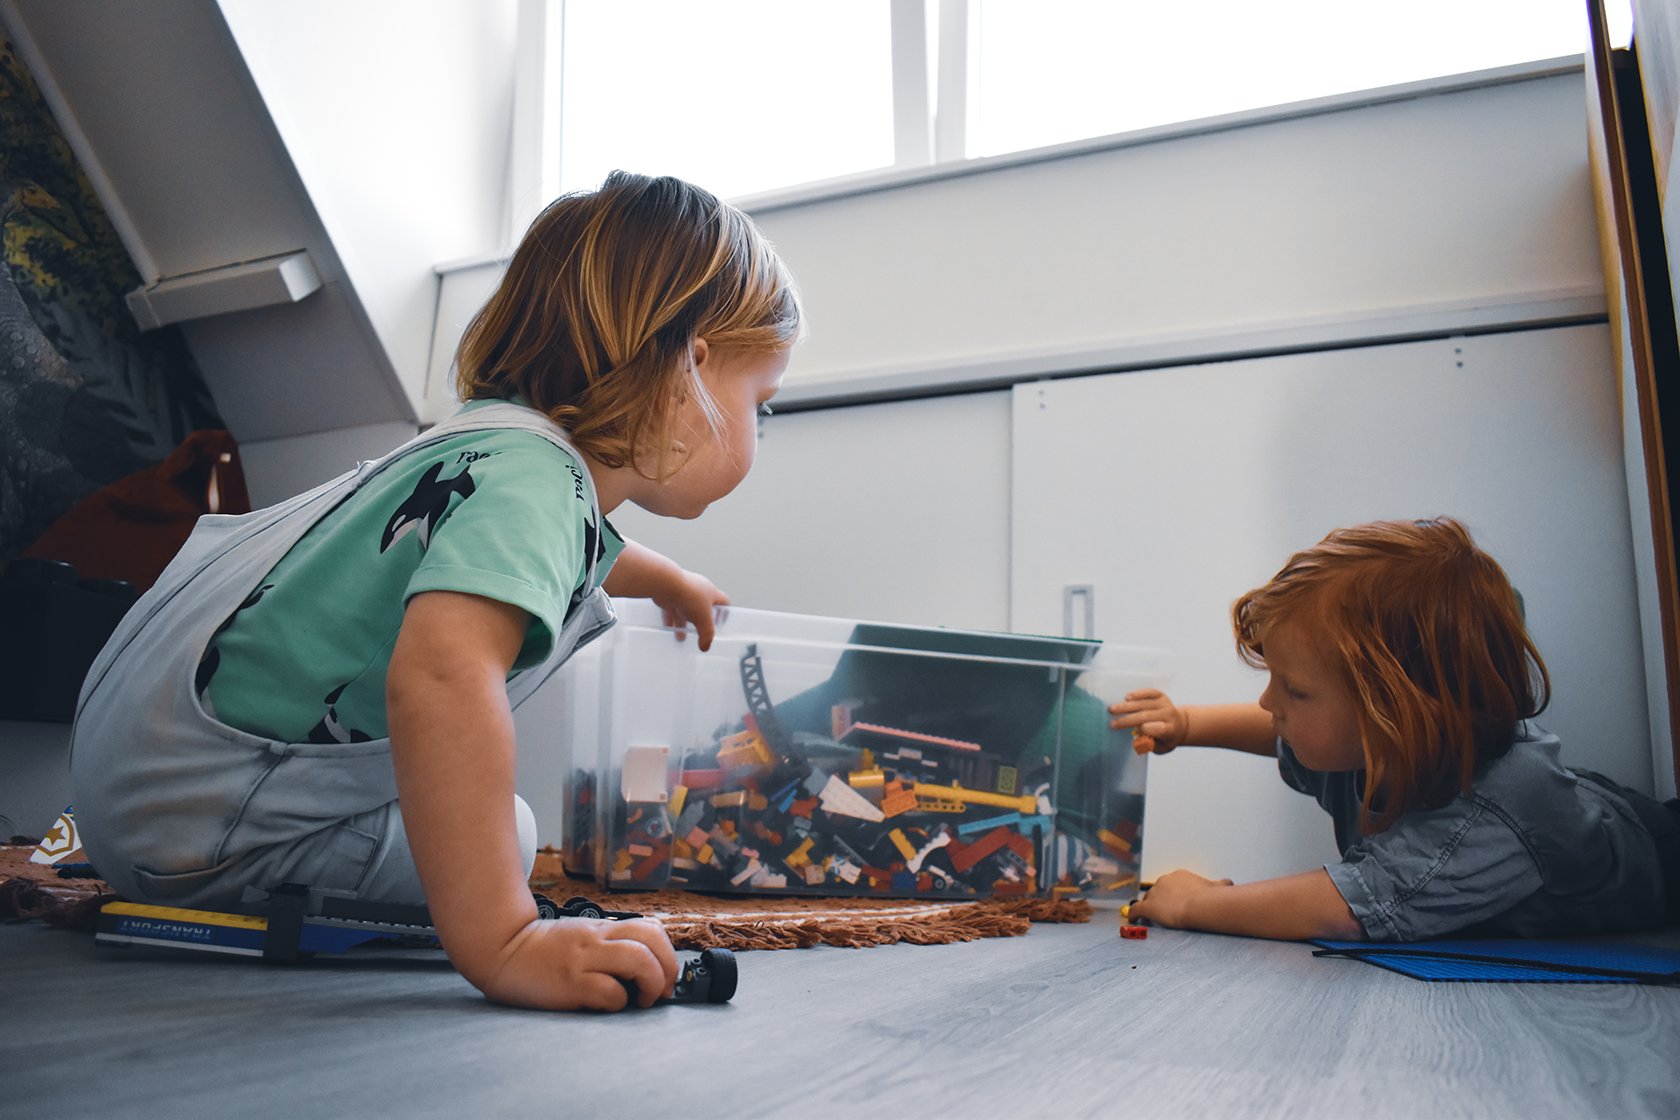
(581,907)
(546,907)
(720,963)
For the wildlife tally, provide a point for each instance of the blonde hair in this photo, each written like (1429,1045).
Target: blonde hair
(595,321)
(1428,635)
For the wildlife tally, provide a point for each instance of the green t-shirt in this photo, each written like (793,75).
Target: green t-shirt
(503,514)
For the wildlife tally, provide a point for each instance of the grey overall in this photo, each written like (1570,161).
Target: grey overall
(177,809)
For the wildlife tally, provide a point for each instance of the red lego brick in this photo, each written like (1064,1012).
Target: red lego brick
(1020,845)
(1134,933)
(981,848)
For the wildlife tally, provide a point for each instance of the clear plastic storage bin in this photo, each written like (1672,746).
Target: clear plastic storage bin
(828,756)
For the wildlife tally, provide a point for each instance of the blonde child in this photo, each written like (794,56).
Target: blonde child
(1402,683)
(321,693)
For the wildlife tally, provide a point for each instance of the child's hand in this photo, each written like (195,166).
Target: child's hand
(1169,900)
(1157,724)
(568,964)
(685,597)
(690,598)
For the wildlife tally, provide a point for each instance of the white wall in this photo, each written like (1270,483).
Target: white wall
(898,512)
(276,469)
(1455,201)
(397,114)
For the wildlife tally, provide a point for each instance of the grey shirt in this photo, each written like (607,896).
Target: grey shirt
(1536,850)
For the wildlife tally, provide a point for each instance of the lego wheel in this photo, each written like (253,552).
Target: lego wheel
(546,907)
(720,963)
(580,907)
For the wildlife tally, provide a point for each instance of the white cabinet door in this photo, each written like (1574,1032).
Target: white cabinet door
(1173,491)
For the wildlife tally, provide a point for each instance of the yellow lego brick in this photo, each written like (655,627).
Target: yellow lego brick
(704,855)
(1113,843)
(681,849)
(623,860)
(938,805)
(757,802)
(902,843)
(801,854)
(1006,778)
(1023,805)
(745,750)
(872,778)
(678,796)
(175,914)
(730,800)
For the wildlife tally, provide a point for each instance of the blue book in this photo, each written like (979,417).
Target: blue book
(1557,962)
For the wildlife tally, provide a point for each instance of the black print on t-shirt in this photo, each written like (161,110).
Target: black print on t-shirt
(212,656)
(422,510)
(329,730)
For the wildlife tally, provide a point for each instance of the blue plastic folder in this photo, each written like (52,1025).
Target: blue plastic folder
(1556,962)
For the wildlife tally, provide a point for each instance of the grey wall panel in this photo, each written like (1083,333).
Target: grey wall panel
(1459,198)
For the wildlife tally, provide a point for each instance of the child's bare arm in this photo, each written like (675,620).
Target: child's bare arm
(641,573)
(1160,725)
(452,743)
(1293,908)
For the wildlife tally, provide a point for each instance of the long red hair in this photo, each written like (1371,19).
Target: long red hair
(1429,636)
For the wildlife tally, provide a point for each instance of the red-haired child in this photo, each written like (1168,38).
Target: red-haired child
(1402,686)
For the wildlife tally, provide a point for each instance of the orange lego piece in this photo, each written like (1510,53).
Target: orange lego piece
(897,800)
(805,808)
(757,802)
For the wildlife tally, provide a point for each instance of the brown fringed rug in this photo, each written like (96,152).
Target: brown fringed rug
(696,921)
(33,892)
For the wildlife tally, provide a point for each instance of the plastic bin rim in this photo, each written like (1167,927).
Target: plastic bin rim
(1092,666)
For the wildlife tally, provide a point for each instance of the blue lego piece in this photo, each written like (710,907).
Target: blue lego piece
(970,827)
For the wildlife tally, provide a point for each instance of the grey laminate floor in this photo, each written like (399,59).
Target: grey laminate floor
(1066,1021)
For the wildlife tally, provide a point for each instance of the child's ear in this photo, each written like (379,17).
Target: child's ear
(700,351)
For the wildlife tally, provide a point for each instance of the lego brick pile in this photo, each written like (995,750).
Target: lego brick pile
(863,809)
(696,921)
